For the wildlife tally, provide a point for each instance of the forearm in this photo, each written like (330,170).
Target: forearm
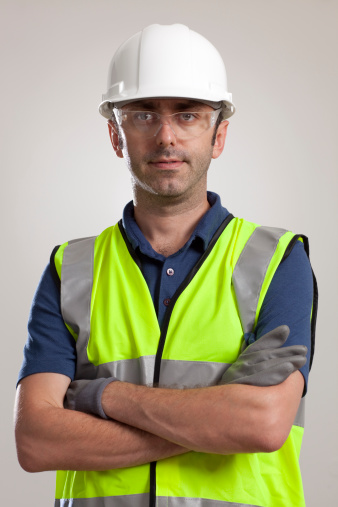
(221,419)
(76,441)
(50,437)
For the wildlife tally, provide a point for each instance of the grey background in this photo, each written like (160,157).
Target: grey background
(61,179)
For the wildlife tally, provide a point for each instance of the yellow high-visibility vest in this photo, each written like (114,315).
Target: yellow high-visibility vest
(112,318)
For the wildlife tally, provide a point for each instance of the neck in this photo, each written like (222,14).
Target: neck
(168,223)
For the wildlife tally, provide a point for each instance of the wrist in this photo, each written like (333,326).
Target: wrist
(120,401)
(109,398)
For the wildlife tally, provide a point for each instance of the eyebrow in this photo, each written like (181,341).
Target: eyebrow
(192,104)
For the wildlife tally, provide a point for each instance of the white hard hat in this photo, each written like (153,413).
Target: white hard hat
(167,61)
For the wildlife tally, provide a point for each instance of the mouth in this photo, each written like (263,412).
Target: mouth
(165,163)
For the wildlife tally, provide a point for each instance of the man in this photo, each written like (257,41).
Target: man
(159,375)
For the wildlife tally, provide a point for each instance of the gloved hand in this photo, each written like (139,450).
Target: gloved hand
(265,362)
(85,396)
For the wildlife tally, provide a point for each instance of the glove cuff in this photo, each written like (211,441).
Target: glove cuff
(89,398)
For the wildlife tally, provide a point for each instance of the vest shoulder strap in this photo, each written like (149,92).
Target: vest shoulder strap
(250,271)
(76,275)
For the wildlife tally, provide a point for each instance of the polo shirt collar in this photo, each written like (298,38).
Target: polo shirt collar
(204,230)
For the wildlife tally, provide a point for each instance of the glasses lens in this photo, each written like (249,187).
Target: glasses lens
(191,124)
(143,121)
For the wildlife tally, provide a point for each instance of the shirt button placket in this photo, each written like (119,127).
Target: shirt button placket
(169,272)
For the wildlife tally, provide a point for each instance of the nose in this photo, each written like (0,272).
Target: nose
(165,136)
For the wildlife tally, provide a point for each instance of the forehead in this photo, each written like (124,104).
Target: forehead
(175,104)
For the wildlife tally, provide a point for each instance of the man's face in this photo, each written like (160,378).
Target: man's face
(165,165)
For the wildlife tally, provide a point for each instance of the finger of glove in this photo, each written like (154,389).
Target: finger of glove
(271,340)
(267,371)
(252,357)
(269,377)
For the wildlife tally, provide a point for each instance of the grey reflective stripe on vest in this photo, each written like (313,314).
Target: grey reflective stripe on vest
(174,373)
(250,270)
(197,502)
(76,292)
(143,501)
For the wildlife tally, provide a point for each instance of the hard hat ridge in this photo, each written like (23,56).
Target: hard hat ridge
(167,61)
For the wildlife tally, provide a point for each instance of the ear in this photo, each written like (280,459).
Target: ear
(220,139)
(114,138)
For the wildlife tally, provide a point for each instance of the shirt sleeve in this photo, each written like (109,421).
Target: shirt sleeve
(49,347)
(289,301)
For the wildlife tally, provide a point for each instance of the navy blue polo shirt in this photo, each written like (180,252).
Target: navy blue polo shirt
(51,348)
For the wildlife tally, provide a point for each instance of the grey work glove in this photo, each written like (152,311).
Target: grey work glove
(265,362)
(85,396)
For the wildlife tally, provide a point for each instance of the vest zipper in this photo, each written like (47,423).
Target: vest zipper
(164,329)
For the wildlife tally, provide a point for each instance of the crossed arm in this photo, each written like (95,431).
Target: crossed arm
(149,424)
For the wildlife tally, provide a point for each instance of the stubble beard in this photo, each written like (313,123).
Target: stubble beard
(169,186)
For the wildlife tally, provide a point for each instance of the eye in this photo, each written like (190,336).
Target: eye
(143,116)
(188,117)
